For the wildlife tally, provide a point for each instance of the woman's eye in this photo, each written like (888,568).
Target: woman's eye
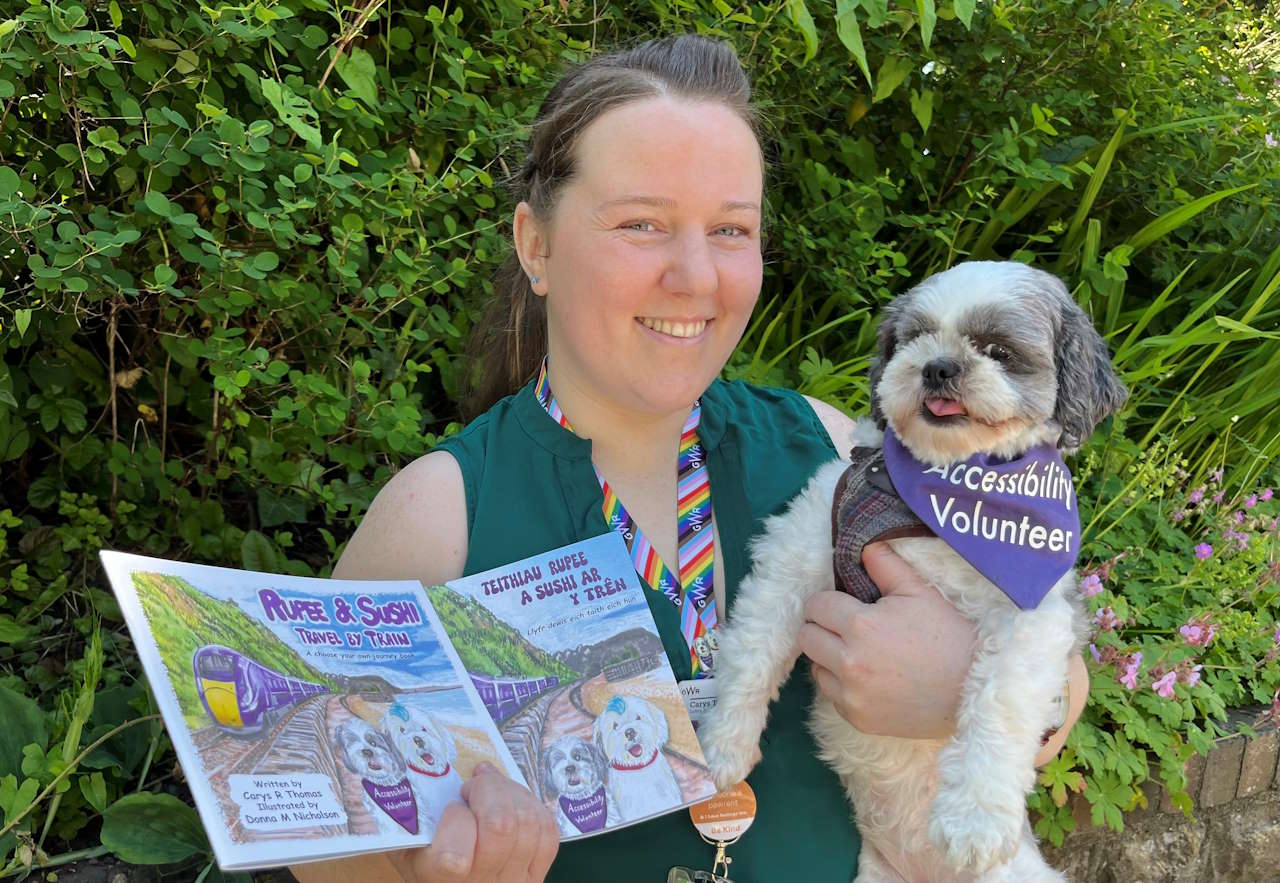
(997,352)
(640,226)
(730,230)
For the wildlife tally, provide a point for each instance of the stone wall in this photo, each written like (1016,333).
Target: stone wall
(1233,837)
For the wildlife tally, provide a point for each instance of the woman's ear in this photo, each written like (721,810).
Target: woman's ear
(532,246)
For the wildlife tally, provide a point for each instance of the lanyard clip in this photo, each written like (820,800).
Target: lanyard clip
(720,867)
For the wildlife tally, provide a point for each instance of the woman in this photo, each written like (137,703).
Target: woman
(636,268)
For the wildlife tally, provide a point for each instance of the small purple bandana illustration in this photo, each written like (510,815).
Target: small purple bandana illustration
(1015,521)
(396,801)
(588,813)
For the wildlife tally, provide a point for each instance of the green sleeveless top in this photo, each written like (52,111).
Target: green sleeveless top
(530,487)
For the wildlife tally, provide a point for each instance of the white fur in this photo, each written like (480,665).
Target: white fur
(929,811)
(632,730)
(429,753)
(368,752)
(575,768)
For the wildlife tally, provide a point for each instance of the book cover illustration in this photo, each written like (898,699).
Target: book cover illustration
(563,651)
(313,717)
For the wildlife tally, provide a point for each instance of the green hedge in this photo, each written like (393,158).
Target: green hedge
(242,246)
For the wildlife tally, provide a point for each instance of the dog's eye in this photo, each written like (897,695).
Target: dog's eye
(615,725)
(997,352)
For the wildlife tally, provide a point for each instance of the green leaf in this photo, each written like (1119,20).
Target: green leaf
(10,183)
(893,70)
(293,111)
(359,73)
(13,633)
(257,553)
(276,509)
(157,203)
(113,10)
(24,724)
(928,18)
(800,17)
(94,789)
(877,12)
(964,12)
(152,829)
(922,107)
(266,261)
(851,35)
(165,275)
(22,319)
(1172,220)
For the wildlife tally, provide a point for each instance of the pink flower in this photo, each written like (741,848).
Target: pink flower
(1164,686)
(1217,498)
(1266,494)
(1203,551)
(1129,677)
(1196,495)
(1250,501)
(1106,619)
(1091,585)
(1275,637)
(1178,516)
(1198,632)
(1097,657)
(1239,517)
(1270,140)
(1217,475)
(1190,676)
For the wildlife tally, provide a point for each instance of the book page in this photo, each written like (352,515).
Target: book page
(313,718)
(564,653)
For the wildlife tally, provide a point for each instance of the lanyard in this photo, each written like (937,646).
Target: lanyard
(692,591)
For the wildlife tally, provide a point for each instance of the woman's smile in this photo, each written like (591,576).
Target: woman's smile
(688,329)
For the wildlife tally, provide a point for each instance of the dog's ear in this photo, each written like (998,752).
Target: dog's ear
(597,739)
(548,775)
(886,343)
(1089,390)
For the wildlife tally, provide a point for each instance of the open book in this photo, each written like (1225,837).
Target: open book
(320,718)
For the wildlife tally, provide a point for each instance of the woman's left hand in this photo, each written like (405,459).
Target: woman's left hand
(896,667)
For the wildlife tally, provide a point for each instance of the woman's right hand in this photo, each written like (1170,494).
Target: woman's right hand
(500,833)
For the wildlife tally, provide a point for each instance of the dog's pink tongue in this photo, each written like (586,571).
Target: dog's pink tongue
(634,750)
(429,758)
(944,407)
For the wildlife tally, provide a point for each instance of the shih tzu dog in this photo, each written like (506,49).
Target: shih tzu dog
(631,732)
(387,794)
(573,774)
(429,753)
(985,374)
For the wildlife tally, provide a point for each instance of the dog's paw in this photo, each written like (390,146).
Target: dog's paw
(730,752)
(972,836)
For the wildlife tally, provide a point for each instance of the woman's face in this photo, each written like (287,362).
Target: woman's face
(651,261)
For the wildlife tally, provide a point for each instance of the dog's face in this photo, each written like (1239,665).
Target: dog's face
(369,753)
(991,357)
(702,646)
(420,738)
(573,767)
(630,730)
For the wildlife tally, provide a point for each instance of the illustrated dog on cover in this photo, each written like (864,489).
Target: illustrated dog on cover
(574,772)
(388,797)
(429,753)
(984,374)
(631,732)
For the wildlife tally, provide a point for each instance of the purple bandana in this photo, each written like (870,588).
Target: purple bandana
(1015,521)
(396,801)
(587,814)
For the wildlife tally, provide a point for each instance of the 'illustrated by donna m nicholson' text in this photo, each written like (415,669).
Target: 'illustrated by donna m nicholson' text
(279,803)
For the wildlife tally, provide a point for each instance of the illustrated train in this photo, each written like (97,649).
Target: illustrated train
(242,696)
(505,696)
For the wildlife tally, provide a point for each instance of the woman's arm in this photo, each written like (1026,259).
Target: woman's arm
(416,528)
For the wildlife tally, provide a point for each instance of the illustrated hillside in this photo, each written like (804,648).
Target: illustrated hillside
(183,618)
(487,645)
(592,658)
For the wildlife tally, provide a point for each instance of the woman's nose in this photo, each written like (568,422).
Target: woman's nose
(692,268)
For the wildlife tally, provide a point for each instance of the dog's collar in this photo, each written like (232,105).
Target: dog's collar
(443,772)
(628,767)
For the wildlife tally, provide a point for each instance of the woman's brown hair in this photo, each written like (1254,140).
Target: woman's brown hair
(510,339)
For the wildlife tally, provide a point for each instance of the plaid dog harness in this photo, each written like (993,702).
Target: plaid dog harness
(865,509)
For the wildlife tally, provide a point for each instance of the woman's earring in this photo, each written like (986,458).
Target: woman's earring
(534,280)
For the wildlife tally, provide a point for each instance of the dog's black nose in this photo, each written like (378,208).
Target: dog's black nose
(939,371)
(630,733)
(570,769)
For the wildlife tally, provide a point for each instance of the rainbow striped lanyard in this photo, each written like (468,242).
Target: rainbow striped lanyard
(692,592)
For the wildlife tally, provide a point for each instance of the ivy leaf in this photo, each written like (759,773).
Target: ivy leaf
(359,73)
(152,829)
(922,107)
(275,509)
(928,18)
(25,724)
(893,70)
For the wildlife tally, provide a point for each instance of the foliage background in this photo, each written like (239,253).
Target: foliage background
(242,245)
